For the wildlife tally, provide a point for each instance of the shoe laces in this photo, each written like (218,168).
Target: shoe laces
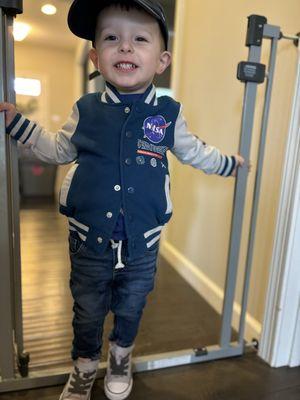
(81,382)
(119,365)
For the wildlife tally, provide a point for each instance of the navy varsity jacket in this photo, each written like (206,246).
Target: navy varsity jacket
(120,157)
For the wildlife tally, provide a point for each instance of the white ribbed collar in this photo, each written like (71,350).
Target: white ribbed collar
(111,95)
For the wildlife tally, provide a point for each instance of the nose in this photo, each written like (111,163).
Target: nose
(125,47)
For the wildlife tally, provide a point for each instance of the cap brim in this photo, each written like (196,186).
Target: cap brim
(83,14)
(82,17)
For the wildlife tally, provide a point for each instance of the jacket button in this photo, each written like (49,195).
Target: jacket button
(128,161)
(127,110)
(129,134)
(99,240)
(130,190)
(109,214)
(117,188)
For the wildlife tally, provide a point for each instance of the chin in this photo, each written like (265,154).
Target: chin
(129,86)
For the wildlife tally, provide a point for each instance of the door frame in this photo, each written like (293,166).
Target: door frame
(281,325)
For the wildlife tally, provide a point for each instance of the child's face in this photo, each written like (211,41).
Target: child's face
(129,49)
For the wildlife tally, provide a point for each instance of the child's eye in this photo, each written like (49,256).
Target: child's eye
(141,39)
(111,37)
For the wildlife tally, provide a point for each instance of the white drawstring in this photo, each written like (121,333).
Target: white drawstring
(118,245)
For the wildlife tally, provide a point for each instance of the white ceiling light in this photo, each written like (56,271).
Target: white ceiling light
(49,9)
(20,31)
(29,87)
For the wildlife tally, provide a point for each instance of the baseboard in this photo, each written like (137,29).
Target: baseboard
(207,289)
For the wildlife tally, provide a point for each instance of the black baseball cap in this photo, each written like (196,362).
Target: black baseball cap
(83,14)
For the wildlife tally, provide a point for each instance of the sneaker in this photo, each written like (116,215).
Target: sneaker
(118,379)
(81,380)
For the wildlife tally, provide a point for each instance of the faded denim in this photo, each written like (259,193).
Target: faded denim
(97,287)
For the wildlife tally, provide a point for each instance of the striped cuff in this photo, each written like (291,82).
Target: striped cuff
(13,123)
(228,164)
(20,128)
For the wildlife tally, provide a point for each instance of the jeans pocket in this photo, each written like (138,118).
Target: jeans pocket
(75,244)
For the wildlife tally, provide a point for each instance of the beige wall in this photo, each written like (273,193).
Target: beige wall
(57,67)
(209,43)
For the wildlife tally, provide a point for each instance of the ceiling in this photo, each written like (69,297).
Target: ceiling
(48,30)
(52,30)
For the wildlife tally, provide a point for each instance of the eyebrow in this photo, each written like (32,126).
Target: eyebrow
(142,31)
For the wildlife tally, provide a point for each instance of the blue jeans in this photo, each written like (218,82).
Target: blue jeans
(98,287)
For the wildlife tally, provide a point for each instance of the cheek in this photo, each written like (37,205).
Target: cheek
(151,62)
(104,58)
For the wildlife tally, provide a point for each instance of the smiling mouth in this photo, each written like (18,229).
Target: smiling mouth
(126,66)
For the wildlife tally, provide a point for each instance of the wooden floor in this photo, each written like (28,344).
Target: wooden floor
(175,318)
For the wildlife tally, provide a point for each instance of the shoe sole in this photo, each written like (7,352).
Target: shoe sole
(61,397)
(118,396)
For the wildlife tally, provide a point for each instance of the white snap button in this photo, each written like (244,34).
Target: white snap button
(117,188)
(127,110)
(109,214)
(99,240)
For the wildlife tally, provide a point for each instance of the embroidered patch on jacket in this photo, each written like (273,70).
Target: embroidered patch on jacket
(140,160)
(149,153)
(153,162)
(150,149)
(155,128)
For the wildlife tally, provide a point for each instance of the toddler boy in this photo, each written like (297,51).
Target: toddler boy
(116,194)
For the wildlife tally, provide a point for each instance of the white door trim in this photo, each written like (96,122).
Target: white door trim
(282,316)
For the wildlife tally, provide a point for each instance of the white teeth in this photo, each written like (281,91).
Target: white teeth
(125,66)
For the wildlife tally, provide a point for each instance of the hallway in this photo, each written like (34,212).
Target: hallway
(176,318)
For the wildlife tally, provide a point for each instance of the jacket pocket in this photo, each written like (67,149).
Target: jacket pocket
(75,244)
(65,187)
(169,207)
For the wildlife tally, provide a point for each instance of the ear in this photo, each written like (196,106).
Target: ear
(94,57)
(164,61)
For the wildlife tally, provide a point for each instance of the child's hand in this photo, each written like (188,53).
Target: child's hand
(10,112)
(239,163)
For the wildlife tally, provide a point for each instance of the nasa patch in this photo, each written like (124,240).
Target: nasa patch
(155,128)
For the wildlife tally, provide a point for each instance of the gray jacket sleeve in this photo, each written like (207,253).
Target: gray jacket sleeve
(189,149)
(53,148)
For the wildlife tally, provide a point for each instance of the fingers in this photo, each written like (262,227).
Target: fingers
(10,112)
(3,106)
(6,106)
(240,162)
